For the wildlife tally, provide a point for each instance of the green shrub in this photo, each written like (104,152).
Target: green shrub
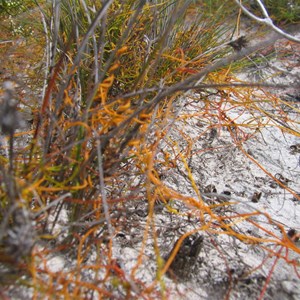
(287,11)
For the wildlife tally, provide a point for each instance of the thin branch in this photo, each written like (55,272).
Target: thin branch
(102,190)
(267,20)
(53,203)
(207,86)
(48,54)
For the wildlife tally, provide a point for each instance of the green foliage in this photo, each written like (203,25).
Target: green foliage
(287,11)
(11,13)
(210,7)
(12,7)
